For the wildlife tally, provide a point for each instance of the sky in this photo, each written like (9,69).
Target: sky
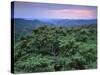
(30,10)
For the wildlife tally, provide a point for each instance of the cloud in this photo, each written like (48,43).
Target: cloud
(72,13)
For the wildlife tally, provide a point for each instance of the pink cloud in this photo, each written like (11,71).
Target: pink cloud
(72,13)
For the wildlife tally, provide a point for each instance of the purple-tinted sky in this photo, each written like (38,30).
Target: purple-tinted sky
(32,10)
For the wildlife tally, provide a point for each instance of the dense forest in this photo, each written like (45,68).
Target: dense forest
(56,48)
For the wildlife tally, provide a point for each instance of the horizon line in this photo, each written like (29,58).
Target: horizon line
(51,19)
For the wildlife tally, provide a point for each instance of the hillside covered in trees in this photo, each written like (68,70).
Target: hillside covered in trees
(56,48)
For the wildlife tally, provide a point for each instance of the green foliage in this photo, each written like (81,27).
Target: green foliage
(34,63)
(50,48)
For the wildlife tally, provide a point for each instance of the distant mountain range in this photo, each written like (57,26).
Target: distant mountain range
(28,25)
(70,22)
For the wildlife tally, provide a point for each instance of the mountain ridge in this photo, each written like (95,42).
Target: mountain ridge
(27,25)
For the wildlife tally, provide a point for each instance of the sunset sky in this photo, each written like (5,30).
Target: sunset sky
(28,10)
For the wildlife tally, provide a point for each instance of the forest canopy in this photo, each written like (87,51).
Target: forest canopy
(56,48)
